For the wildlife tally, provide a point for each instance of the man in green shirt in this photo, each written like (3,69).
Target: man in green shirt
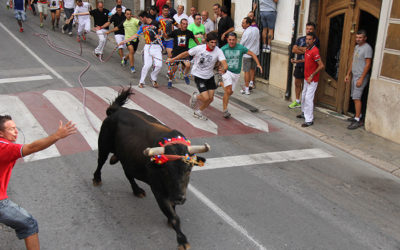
(131,27)
(198,30)
(233,52)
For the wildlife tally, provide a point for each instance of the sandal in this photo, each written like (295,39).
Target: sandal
(141,85)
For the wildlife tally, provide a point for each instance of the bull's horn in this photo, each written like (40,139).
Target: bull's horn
(153,151)
(199,149)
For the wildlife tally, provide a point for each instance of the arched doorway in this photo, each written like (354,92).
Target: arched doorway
(339,20)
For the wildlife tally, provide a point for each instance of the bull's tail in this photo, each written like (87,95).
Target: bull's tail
(119,101)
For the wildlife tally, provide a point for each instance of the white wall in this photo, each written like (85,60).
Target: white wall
(242,8)
(284,21)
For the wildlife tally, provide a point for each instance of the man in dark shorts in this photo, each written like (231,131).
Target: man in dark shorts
(12,215)
(181,38)
(205,58)
(299,49)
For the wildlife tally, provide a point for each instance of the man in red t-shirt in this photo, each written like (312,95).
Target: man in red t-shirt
(11,214)
(312,67)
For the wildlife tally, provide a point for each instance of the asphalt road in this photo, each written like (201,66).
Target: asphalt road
(327,200)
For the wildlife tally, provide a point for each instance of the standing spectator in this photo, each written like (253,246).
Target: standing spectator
(225,26)
(253,19)
(234,53)
(83,20)
(43,11)
(208,24)
(180,15)
(268,18)
(11,214)
(362,59)
(19,12)
(114,10)
(299,49)
(172,11)
(153,12)
(55,13)
(205,58)
(69,6)
(193,11)
(152,51)
(198,30)
(181,38)
(217,15)
(118,20)
(312,67)
(159,5)
(251,40)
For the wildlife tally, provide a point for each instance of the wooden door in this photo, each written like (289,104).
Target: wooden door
(338,21)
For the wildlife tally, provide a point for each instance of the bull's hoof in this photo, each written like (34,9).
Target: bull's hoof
(96,182)
(184,246)
(140,193)
(113,160)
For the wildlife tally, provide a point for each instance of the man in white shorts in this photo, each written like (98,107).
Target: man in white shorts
(205,58)
(119,33)
(233,52)
(81,10)
(43,7)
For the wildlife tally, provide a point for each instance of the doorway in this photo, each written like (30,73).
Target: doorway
(339,21)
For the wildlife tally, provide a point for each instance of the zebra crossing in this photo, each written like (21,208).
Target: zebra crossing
(37,114)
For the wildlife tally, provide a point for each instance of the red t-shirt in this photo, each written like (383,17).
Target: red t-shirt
(9,154)
(311,57)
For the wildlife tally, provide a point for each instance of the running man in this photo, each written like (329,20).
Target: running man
(152,49)
(55,13)
(19,12)
(205,58)
(166,27)
(43,11)
(129,27)
(181,38)
(69,6)
(233,52)
(83,20)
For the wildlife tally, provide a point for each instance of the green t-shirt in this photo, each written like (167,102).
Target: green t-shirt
(234,57)
(131,27)
(196,30)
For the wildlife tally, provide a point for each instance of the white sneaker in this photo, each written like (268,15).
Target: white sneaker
(268,50)
(245,92)
(252,85)
(70,33)
(197,114)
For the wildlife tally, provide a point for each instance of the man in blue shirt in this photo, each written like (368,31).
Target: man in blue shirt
(19,12)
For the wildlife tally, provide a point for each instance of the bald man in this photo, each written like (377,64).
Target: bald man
(208,24)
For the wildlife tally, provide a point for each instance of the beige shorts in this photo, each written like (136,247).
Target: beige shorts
(230,78)
(43,8)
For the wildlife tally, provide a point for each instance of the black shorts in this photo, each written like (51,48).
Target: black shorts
(298,72)
(205,84)
(134,44)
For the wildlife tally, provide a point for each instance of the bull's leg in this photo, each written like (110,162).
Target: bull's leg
(100,162)
(169,210)
(137,191)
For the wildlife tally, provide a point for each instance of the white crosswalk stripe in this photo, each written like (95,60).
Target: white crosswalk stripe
(239,114)
(29,128)
(178,108)
(73,110)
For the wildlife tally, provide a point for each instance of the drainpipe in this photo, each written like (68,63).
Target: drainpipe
(291,54)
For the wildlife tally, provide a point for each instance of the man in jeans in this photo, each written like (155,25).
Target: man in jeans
(69,6)
(268,18)
(11,214)
(312,66)
(362,59)
(205,58)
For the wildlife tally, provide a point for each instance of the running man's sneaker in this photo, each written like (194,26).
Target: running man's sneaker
(197,114)
(41,25)
(245,91)
(187,80)
(227,114)
(21,29)
(268,50)
(294,105)
(169,84)
(124,62)
(264,48)
(252,85)
(155,84)
(133,69)
(70,33)
(193,100)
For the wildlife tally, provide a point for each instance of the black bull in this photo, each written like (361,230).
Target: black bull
(134,137)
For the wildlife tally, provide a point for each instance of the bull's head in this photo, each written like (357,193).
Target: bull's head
(175,167)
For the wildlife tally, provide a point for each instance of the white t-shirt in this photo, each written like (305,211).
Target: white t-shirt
(114,10)
(179,18)
(204,61)
(251,40)
(82,9)
(190,20)
(69,4)
(54,4)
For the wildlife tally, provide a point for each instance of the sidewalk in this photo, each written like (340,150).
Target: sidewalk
(329,127)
